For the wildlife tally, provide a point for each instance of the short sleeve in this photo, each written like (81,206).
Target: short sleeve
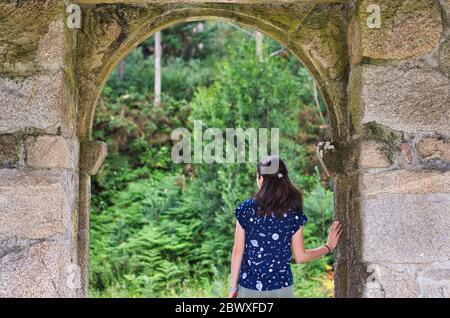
(298,220)
(240,213)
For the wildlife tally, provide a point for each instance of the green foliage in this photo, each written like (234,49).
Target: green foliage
(160,229)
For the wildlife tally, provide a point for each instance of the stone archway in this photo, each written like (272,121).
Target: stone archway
(387,92)
(289,24)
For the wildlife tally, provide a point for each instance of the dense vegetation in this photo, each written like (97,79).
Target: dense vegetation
(160,229)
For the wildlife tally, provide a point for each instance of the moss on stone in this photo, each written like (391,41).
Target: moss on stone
(9,151)
(20,33)
(323,35)
(377,132)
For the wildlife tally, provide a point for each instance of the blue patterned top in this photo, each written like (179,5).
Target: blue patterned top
(267,253)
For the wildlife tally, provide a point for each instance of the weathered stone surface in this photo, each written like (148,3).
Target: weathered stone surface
(433,148)
(330,156)
(392,281)
(34,204)
(435,280)
(93,44)
(408,29)
(409,100)
(321,37)
(446,6)
(40,270)
(24,24)
(51,52)
(404,182)
(93,153)
(406,216)
(408,280)
(83,229)
(404,156)
(41,48)
(406,228)
(444,57)
(51,152)
(34,103)
(198,1)
(9,151)
(374,155)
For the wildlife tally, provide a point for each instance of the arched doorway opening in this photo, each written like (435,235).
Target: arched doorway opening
(160,228)
(121,28)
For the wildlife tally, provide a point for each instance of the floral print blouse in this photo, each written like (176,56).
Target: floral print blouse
(267,253)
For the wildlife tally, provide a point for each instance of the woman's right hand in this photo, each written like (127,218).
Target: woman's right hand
(233,294)
(333,236)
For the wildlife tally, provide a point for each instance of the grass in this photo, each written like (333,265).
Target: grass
(319,285)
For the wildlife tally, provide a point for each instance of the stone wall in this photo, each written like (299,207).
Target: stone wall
(39,153)
(400,99)
(388,97)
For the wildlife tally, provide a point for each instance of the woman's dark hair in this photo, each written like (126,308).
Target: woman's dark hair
(277,193)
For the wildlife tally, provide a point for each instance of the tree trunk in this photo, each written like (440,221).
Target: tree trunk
(158,54)
(122,68)
(259,45)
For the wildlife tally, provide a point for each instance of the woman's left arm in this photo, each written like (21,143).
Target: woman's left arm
(236,258)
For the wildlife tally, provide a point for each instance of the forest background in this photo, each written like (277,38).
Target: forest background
(160,229)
